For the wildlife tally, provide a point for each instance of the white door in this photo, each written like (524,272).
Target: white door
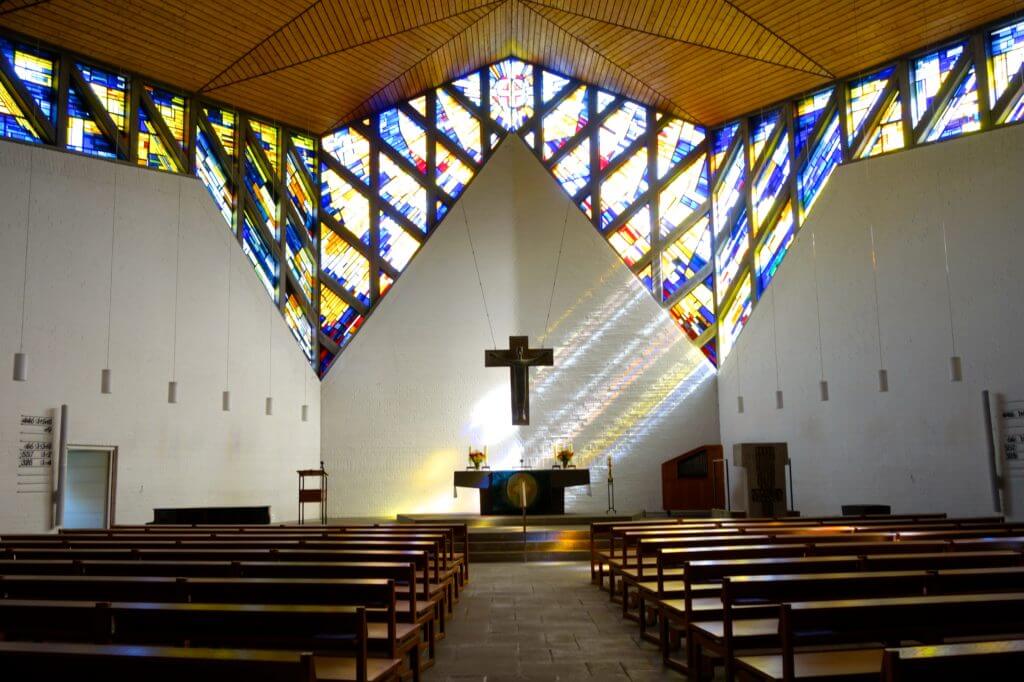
(87,490)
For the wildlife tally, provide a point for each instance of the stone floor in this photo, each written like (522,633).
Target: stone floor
(541,621)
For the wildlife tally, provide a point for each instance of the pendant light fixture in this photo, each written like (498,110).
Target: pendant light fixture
(956,374)
(20,358)
(172,385)
(779,403)
(883,373)
(823,383)
(106,376)
(305,393)
(739,385)
(269,407)
(225,398)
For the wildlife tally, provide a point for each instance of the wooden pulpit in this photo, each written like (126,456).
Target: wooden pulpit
(315,494)
(694,480)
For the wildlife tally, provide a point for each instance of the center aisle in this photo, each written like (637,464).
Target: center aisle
(541,621)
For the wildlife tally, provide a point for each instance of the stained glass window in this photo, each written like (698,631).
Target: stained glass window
(682,196)
(551,85)
(338,320)
(863,96)
(305,149)
(35,69)
(808,113)
(647,277)
(111,89)
(302,330)
(300,197)
(888,134)
(469,87)
(961,114)
(723,139)
(1006,47)
(403,192)
(83,133)
(300,262)
(775,246)
(406,137)
(346,204)
(13,123)
(262,257)
(730,255)
(151,151)
(172,109)
(624,186)
(632,241)
(511,86)
(351,150)
(761,128)
(267,137)
(770,181)
(729,190)
(223,123)
(695,311)
(452,174)
(684,258)
(261,191)
(326,358)
(458,125)
(675,141)
(710,350)
(824,158)
(214,178)
(573,170)
(619,130)
(564,121)
(734,317)
(397,246)
(928,75)
(344,264)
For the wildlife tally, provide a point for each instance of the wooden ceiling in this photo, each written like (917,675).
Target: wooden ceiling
(317,63)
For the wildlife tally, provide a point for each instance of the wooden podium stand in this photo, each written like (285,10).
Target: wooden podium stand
(316,494)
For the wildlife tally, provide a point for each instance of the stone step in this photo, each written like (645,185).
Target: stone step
(504,557)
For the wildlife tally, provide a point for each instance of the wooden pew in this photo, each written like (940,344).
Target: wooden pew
(386,636)
(31,661)
(334,629)
(923,618)
(965,661)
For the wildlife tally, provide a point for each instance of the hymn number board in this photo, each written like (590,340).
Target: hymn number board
(35,453)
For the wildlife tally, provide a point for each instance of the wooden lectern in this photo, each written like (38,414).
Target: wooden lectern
(316,494)
(694,481)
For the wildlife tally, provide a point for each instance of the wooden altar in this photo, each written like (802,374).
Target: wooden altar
(501,491)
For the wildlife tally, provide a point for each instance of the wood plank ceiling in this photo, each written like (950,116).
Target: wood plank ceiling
(317,63)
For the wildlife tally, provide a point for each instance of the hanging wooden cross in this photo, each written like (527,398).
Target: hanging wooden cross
(519,358)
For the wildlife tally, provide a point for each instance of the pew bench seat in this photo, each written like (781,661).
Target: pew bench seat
(850,665)
(339,669)
(968,660)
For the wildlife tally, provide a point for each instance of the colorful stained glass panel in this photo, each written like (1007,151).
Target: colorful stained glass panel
(338,320)
(888,134)
(261,256)
(775,247)
(215,178)
(406,137)
(13,123)
(397,246)
(695,311)
(511,89)
(261,191)
(623,187)
(83,135)
(961,114)
(675,141)
(302,330)
(683,195)
(344,264)
(112,91)
(301,197)
(346,204)
(927,76)
(863,96)
(770,180)
(729,190)
(305,148)
(762,127)
(403,192)
(619,130)
(351,149)
(267,137)
(808,112)
(730,256)
(469,87)
(300,262)
(151,151)
(632,241)
(735,317)
(223,123)
(564,121)
(573,170)
(824,158)
(684,258)
(36,69)
(551,85)
(458,125)
(452,174)
(722,140)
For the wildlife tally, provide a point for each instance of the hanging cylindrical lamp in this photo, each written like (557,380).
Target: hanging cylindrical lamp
(106,382)
(20,372)
(172,385)
(225,401)
(269,408)
(225,397)
(106,376)
(956,370)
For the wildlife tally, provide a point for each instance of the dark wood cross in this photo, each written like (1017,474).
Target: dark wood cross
(519,358)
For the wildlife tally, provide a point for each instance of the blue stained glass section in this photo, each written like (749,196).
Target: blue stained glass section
(551,85)
(214,178)
(83,134)
(962,114)
(35,68)
(727,263)
(827,154)
(761,128)
(405,136)
(261,256)
(808,114)
(929,74)
(723,138)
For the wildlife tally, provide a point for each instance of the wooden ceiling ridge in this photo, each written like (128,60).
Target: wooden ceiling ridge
(820,70)
(352,113)
(493,4)
(27,5)
(648,86)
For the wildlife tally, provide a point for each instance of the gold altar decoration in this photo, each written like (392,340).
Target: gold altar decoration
(477,458)
(521,485)
(563,453)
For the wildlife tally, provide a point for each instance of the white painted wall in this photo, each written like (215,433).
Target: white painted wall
(921,446)
(189,454)
(411,393)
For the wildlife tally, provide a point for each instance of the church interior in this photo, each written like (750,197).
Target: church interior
(416,340)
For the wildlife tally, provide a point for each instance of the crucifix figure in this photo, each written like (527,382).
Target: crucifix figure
(519,358)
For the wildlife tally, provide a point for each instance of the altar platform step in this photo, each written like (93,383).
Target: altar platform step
(560,543)
(479,521)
